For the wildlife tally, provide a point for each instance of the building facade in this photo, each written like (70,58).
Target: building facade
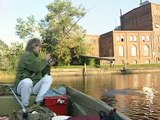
(130,47)
(138,40)
(144,17)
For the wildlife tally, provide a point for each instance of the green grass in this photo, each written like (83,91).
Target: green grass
(143,66)
(72,67)
(131,66)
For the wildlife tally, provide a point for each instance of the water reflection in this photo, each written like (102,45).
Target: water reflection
(136,95)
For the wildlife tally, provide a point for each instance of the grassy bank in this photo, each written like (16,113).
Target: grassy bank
(6,76)
(129,66)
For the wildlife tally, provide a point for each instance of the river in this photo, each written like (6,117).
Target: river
(135,95)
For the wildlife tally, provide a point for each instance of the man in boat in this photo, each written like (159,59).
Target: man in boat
(29,77)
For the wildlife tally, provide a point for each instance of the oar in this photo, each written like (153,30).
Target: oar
(23,108)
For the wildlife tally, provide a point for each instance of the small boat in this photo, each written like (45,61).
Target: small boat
(126,71)
(80,105)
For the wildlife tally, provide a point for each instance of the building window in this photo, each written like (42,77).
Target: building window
(133,50)
(148,38)
(133,38)
(143,38)
(146,50)
(147,61)
(120,38)
(121,51)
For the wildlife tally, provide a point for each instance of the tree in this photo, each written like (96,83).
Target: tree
(13,54)
(27,29)
(3,59)
(9,56)
(59,30)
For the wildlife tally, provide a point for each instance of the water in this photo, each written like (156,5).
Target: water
(135,95)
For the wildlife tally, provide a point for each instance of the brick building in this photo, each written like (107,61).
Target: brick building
(137,40)
(144,17)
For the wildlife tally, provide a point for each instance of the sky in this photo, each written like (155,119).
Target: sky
(103,15)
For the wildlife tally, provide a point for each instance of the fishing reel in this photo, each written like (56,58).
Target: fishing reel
(53,59)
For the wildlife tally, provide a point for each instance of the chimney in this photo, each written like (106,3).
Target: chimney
(140,2)
(120,12)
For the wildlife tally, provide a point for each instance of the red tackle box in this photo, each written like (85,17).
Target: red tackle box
(57,104)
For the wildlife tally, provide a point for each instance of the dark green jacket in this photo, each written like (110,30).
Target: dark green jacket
(30,66)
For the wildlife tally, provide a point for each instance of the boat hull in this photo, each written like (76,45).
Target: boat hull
(80,104)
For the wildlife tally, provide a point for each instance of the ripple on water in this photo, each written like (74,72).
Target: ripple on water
(137,105)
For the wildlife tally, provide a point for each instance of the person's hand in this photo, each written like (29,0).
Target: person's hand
(52,61)
(48,56)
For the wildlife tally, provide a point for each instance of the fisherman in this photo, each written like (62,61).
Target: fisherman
(29,78)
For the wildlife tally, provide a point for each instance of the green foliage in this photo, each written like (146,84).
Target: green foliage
(13,54)
(3,44)
(9,56)
(60,33)
(90,61)
(3,59)
(27,29)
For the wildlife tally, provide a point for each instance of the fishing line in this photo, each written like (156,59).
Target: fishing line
(75,24)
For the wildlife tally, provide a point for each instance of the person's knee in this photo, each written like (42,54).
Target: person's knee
(48,78)
(28,82)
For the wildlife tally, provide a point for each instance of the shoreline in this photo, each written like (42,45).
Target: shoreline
(89,71)
(8,77)
(98,71)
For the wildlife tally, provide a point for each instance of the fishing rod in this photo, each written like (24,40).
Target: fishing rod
(71,27)
(58,41)
(75,24)
(23,108)
(49,43)
(5,86)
